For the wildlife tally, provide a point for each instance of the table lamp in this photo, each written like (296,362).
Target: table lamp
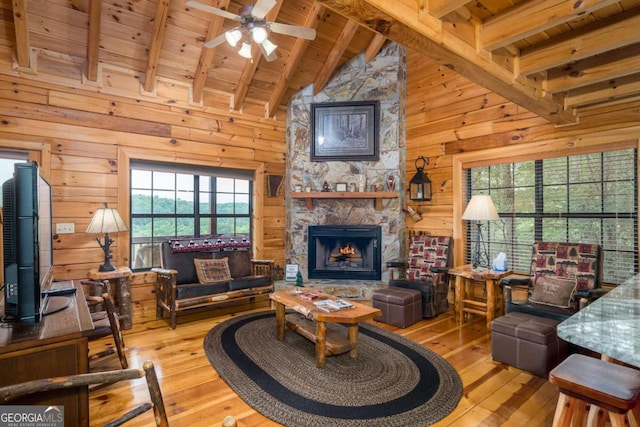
(106,220)
(480,208)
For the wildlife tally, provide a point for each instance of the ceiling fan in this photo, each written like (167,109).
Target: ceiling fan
(252,27)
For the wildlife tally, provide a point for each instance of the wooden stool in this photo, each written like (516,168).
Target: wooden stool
(607,387)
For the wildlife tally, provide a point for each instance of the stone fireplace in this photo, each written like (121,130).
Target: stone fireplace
(382,79)
(344,252)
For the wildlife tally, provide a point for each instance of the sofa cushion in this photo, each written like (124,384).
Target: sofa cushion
(210,271)
(199,290)
(249,282)
(239,262)
(182,263)
(552,290)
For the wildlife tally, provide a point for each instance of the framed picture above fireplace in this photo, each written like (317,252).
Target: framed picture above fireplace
(345,131)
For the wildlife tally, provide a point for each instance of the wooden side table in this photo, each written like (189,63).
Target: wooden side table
(464,303)
(122,278)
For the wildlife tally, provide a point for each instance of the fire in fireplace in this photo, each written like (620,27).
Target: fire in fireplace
(344,252)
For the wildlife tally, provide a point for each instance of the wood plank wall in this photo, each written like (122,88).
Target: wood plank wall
(81,136)
(450,118)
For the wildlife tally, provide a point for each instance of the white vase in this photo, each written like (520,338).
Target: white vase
(361,181)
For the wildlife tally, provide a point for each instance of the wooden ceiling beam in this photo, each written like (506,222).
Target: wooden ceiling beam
(292,63)
(595,70)
(93,42)
(532,17)
(400,21)
(374,47)
(157,38)
(207,54)
(20,24)
(621,88)
(441,8)
(585,45)
(333,59)
(249,69)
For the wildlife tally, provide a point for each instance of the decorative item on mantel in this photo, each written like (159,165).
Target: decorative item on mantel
(325,187)
(361,182)
(420,184)
(391,183)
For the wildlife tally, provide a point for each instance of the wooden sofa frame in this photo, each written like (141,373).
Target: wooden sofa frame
(168,284)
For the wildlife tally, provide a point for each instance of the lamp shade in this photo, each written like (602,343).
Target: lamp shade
(245,50)
(233,36)
(259,34)
(106,220)
(480,208)
(268,47)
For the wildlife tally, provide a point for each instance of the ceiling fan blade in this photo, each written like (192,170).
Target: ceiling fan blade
(292,30)
(262,7)
(215,41)
(205,7)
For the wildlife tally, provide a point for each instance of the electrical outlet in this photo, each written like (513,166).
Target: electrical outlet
(65,228)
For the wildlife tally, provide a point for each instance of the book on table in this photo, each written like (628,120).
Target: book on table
(332,305)
(309,296)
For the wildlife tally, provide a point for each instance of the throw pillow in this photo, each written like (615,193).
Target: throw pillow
(555,291)
(211,271)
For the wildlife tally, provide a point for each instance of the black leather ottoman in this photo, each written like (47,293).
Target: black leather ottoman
(400,307)
(527,342)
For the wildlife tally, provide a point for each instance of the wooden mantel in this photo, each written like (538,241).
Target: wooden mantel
(376,195)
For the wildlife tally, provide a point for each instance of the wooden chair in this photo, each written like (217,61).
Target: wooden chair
(106,322)
(13,392)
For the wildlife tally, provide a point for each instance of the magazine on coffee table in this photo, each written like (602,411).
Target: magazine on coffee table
(332,305)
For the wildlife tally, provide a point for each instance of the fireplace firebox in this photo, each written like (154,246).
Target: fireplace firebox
(344,252)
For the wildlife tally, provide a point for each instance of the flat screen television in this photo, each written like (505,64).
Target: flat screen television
(28,245)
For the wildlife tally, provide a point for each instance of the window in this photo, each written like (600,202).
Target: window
(589,198)
(7,160)
(169,201)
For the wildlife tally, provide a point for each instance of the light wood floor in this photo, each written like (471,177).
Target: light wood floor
(194,394)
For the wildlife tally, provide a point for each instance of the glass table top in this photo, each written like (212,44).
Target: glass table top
(610,325)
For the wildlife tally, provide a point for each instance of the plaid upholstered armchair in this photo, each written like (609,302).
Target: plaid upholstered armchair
(426,270)
(562,277)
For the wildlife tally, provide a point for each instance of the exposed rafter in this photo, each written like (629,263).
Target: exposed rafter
(343,40)
(400,22)
(23,47)
(159,25)
(93,43)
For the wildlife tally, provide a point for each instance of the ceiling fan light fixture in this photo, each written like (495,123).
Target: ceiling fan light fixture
(233,36)
(259,34)
(245,50)
(268,47)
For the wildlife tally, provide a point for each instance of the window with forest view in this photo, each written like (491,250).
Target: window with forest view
(169,202)
(589,198)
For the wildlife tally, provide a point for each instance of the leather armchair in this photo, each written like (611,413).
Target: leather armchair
(426,270)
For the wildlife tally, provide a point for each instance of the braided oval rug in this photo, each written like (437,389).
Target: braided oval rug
(391,382)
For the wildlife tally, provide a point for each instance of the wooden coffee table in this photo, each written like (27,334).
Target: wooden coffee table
(311,322)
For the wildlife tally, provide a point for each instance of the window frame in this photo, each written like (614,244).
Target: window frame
(128,154)
(563,215)
(618,139)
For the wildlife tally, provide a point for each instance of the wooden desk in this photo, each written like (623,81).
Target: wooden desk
(463,302)
(121,278)
(55,346)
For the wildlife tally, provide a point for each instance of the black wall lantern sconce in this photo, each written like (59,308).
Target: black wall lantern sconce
(420,184)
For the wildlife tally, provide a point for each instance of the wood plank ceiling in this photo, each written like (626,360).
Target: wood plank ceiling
(553,57)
